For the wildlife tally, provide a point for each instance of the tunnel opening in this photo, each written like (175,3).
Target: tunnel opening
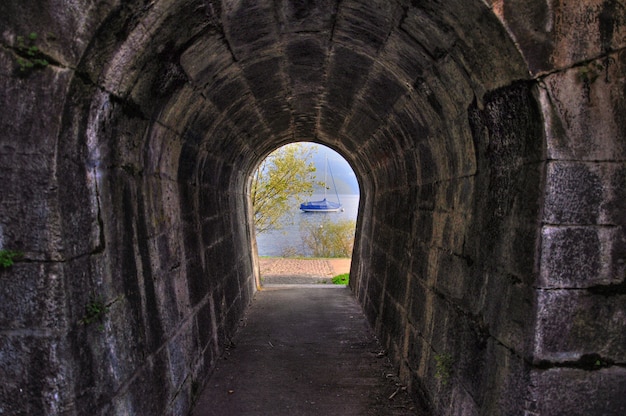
(310,245)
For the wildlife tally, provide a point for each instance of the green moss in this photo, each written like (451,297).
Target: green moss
(443,367)
(8,258)
(30,57)
(342,279)
(95,311)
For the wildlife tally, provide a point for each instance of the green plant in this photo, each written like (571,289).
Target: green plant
(8,257)
(287,175)
(443,367)
(341,279)
(589,74)
(95,310)
(289,252)
(31,57)
(328,238)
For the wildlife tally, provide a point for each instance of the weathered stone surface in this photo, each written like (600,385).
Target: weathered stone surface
(582,257)
(28,168)
(64,28)
(33,297)
(559,36)
(585,193)
(47,380)
(572,324)
(570,391)
(583,107)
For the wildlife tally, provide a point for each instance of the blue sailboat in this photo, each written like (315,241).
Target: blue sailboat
(324,205)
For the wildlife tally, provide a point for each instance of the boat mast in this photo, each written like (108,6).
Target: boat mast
(325,172)
(334,186)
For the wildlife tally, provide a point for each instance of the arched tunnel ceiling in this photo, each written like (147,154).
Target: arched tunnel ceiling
(376,80)
(492,209)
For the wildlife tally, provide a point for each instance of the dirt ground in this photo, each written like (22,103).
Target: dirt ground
(278,270)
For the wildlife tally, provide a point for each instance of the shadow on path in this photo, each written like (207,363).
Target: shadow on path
(304,350)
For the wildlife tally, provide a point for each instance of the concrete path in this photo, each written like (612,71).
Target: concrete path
(304,350)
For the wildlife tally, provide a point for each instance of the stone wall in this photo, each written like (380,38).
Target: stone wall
(103,195)
(489,143)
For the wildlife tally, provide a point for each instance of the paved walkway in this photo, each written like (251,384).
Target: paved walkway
(279,270)
(304,350)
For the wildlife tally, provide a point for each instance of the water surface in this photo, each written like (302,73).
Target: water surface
(289,238)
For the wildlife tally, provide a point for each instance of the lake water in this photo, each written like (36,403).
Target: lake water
(289,238)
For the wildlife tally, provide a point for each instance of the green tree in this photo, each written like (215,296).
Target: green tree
(285,177)
(329,238)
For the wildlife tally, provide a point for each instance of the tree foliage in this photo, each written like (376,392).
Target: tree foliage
(285,177)
(329,238)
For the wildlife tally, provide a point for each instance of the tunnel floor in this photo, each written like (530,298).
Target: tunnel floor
(304,350)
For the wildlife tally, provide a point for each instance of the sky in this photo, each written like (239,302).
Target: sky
(344,176)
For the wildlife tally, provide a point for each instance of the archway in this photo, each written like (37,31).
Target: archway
(299,241)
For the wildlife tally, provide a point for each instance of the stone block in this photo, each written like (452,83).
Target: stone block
(34,296)
(393,325)
(32,111)
(64,36)
(180,352)
(308,17)
(360,26)
(585,193)
(208,56)
(409,62)
(250,27)
(306,60)
(264,79)
(79,208)
(506,307)
(347,74)
(582,257)
(552,38)
(416,351)
(504,381)
(577,392)
(36,377)
(452,273)
(573,193)
(29,130)
(29,221)
(225,92)
(277,114)
(397,280)
(408,125)
(383,92)
(583,108)
(419,308)
(151,390)
(572,324)
(364,123)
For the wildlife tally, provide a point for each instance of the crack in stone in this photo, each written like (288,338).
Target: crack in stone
(587,362)
(579,64)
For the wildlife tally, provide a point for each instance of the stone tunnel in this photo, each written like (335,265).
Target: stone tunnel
(488,138)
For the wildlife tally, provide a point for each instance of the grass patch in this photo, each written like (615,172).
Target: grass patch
(341,279)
